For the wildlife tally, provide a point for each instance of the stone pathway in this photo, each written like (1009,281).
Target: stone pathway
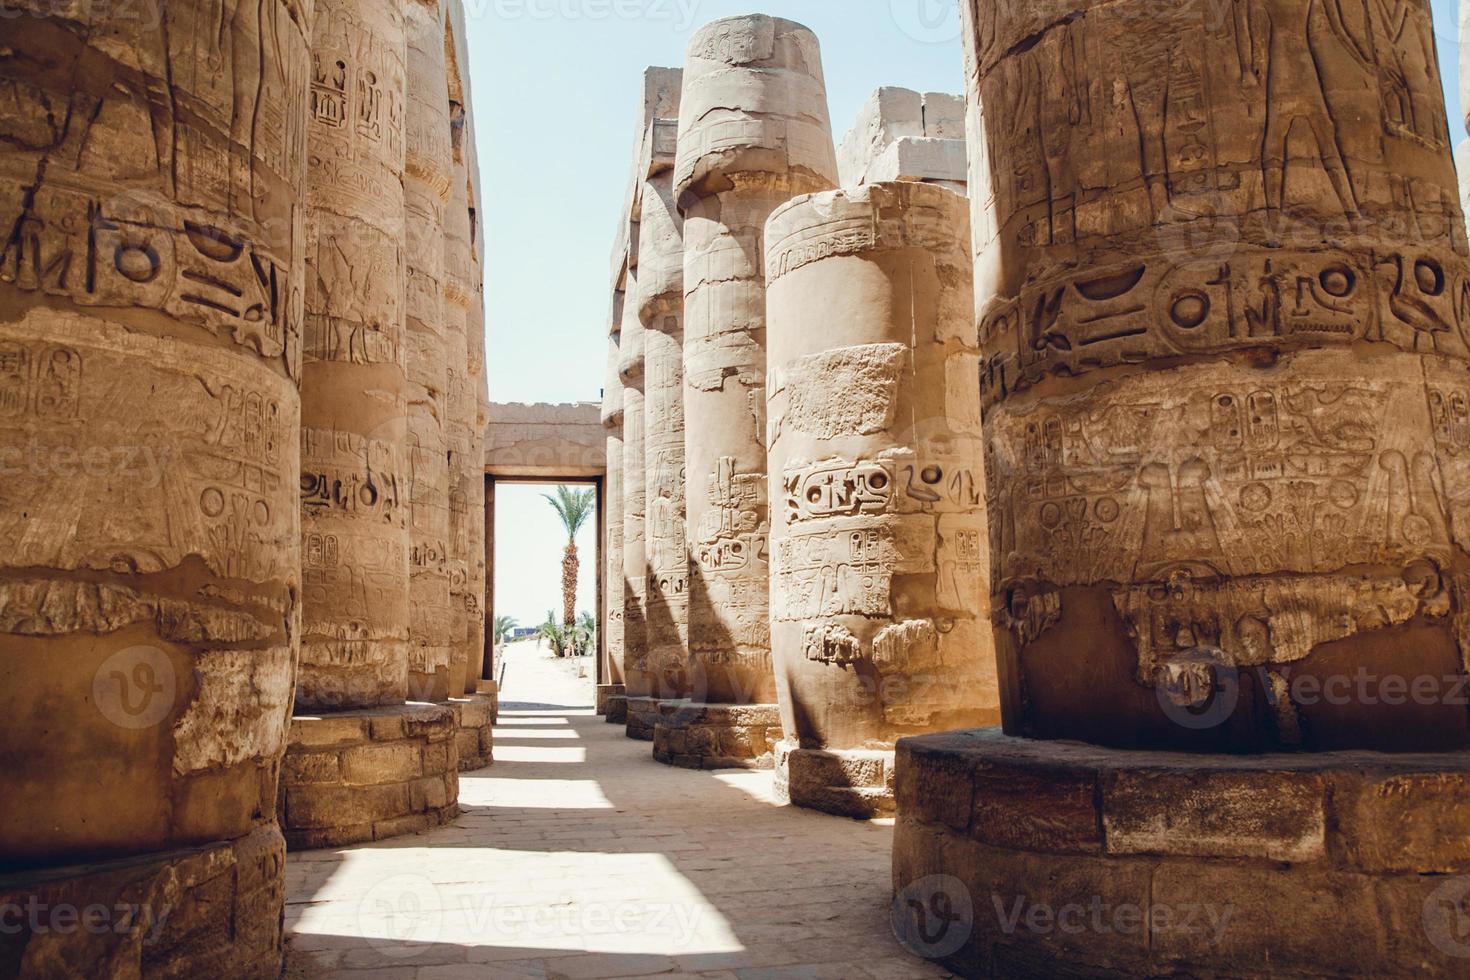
(578,856)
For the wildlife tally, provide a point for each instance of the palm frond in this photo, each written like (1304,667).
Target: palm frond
(574,507)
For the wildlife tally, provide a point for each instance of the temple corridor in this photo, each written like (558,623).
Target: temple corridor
(577,855)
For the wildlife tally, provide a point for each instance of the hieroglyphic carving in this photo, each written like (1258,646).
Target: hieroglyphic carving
(356,457)
(753,133)
(1228,275)
(151,290)
(878,558)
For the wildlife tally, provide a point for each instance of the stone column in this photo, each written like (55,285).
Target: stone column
(466,447)
(361,764)
(640,679)
(426,176)
(354,503)
(661,309)
(879,619)
(1222,272)
(151,288)
(1462,152)
(753,133)
(613,699)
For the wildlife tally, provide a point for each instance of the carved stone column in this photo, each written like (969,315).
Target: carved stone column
(151,282)
(426,177)
(613,699)
(879,619)
(640,679)
(661,301)
(753,133)
(361,764)
(1221,264)
(354,464)
(466,445)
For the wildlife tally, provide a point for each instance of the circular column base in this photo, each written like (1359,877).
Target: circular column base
(474,718)
(369,775)
(716,736)
(1015,857)
(855,783)
(642,716)
(617,709)
(209,911)
(605,692)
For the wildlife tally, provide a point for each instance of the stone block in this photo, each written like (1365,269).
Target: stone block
(331,806)
(1415,822)
(312,767)
(310,731)
(413,823)
(1247,813)
(389,762)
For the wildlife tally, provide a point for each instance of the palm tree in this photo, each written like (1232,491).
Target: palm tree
(573,507)
(555,633)
(504,627)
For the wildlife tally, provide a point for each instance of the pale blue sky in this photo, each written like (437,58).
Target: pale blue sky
(556,84)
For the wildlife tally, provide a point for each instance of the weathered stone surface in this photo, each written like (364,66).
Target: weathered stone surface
(753,132)
(879,625)
(695,735)
(474,717)
(395,772)
(614,595)
(557,441)
(661,309)
(427,170)
(901,134)
(1249,866)
(151,283)
(1184,420)
(638,677)
(354,459)
(214,910)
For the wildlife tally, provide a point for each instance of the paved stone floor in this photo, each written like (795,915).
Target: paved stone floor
(579,856)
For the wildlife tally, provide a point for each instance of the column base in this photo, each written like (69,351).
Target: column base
(208,911)
(491,690)
(1062,859)
(617,709)
(474,718)
(642,717)
(604,693)
(369,775)
(716,736)
(855,783)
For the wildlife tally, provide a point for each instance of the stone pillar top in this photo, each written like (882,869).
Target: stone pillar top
(612,394)
(754,102)
(901,134)
(630,345)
